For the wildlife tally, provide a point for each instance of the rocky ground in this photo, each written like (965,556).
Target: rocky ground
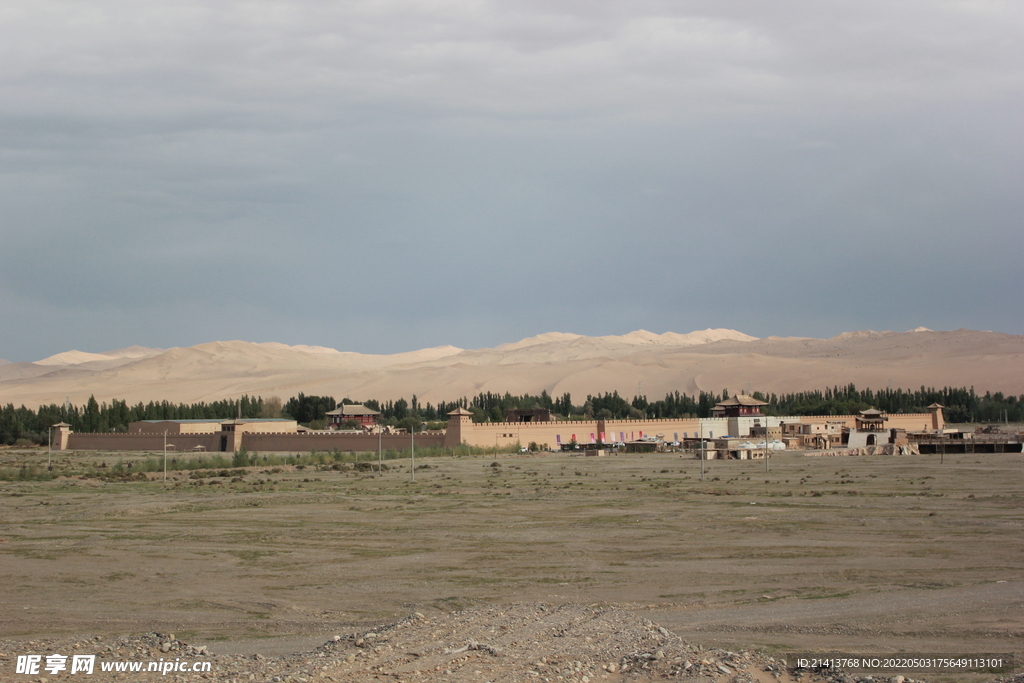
(532,642)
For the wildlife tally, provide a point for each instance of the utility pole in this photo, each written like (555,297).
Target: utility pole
(703,456)
(165,456)
(412,434)
(380,450)
(49,448)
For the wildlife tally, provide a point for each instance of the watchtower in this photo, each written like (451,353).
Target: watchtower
(459,421)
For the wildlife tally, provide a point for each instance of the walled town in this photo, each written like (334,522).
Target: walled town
(736,430)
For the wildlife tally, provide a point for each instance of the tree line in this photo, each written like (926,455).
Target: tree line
(960,405)
(33,425)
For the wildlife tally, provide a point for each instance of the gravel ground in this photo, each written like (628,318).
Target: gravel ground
(523,642)
(515,563)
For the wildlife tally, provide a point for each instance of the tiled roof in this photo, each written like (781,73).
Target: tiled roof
(353,410)
(741,400)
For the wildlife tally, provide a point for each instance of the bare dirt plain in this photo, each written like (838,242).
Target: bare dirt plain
(857,554)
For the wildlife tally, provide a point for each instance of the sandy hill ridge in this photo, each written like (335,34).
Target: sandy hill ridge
(73,358)
(78,357)
(558,362)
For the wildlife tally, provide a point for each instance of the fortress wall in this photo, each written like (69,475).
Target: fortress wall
(200,428)
(255,441)
(847,420)
(285,427)
(585,431)
(488,434)
(506,433)
(713,427)
(137,441)
(304,443)
(173,427)
(913,422)
(209,427)
(673,429)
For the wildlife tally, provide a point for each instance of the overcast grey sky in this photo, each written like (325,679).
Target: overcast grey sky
(390,175)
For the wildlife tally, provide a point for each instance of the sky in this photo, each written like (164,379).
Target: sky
(388,175)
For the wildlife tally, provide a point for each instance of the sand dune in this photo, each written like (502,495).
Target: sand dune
(79,357)
(73,358)
(558,362)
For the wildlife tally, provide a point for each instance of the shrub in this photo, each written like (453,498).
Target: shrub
(241,458)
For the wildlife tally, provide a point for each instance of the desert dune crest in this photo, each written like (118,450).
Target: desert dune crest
(558,362)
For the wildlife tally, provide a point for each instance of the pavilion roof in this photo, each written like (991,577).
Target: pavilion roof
(741,400)
(353,410)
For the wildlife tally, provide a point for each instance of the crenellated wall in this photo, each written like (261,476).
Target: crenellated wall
(213,426)
(912,422)
(141,442)
(326,441)
(583,431)
(672,429)
(488,434)
(254,441)
(461,430)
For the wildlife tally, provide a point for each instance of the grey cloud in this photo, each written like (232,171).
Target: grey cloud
(479,172)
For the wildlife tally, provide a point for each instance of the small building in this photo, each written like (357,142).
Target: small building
(740,405)
(736,448)
(871,420)
(352,412)
(773,433)
(870,430)
(700,447)
(821,435)
(528,415)
(60,435)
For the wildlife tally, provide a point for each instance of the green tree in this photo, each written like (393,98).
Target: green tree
(92,415)
(272,407)
(411,423)
(306,409)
